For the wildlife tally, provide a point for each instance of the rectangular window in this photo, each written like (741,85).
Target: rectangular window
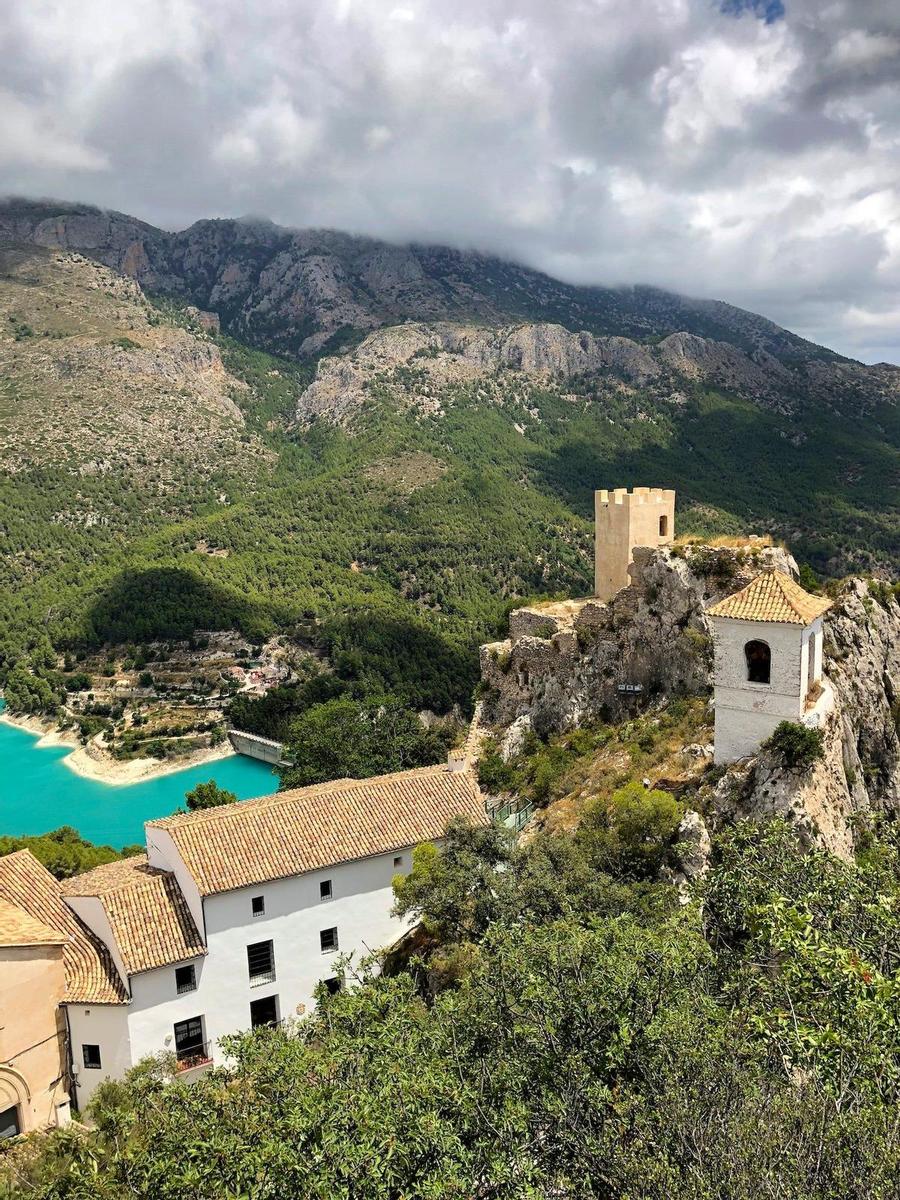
(189,1039)
(398,860)
(325,889)
(90,1056)
(328,940)
(332,985)
(261,963)
(264,1011)
(185,979)
(258,906)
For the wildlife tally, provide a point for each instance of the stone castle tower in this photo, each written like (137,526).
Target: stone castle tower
(768,647)
(623,520)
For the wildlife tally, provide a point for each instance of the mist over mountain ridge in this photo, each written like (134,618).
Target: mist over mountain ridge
(296,291)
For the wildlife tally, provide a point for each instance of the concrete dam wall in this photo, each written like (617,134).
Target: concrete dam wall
(261,748)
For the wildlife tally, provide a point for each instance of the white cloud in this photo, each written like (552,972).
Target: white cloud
(661,141)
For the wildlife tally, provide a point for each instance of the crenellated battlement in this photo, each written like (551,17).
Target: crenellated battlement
(638,495)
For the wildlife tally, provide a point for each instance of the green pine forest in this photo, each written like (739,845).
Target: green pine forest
(395,547)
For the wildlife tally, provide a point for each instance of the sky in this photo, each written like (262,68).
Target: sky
(747,150)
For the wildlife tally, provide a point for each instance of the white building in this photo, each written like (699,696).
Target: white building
(768,663)
(236,913)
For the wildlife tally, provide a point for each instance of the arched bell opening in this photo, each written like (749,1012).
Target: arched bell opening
(759,662)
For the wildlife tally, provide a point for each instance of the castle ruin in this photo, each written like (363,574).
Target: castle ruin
(623,520)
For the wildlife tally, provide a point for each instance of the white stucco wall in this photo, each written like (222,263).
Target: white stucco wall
(92,912)
(360,906)
(746,713)
(162,853)
(106,1026)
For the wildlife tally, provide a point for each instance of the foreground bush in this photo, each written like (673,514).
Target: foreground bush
(593,1044)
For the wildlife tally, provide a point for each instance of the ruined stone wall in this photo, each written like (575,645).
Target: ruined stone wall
(652,638)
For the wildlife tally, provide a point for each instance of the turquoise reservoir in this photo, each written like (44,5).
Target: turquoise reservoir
(39,793)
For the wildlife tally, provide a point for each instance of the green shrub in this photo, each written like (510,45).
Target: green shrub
(629,833)
(495,775)
(796,745)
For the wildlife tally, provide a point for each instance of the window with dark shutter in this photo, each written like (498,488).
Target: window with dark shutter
(328,940)
(261,963)
(189,1039)
(90,1056)
(185,979)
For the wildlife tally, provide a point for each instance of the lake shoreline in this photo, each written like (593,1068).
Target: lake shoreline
(93,762)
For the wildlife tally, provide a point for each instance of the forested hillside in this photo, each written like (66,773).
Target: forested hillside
(387,504)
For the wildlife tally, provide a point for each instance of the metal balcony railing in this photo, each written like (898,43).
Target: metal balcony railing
(189,1057)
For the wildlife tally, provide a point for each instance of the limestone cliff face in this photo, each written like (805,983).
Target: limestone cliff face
(568,663)
(571,662)
(443,353)
(302,292)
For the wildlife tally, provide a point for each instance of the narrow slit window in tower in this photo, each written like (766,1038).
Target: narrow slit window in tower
(663,526)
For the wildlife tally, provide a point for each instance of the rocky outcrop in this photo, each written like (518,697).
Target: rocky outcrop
(862,648)
(445,353)
(576,661)
(303,292)
(858,776)
(824,802)
(570,662)
(690,854)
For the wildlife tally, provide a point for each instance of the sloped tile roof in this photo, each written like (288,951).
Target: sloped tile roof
(146,910)
(772,596)
(91,976)
(19,928)
(304,829)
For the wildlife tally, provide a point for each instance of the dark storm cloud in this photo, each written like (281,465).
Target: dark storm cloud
(745,149)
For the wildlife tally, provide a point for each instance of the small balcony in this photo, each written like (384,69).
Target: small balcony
(193,1061)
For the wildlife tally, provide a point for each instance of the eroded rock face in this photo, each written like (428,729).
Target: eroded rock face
(862,648)
(691,855)
(859,773)
(565,664)
(577,661)
(448,353)
(822,801)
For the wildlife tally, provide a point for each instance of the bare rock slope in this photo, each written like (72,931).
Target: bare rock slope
(571,662)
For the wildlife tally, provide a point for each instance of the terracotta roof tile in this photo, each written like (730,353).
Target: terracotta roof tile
(146,910)
(91,976)
(304,829)
(19,928)
(772,596)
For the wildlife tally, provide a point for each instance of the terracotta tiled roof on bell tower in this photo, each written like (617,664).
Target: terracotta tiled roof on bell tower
(772,596)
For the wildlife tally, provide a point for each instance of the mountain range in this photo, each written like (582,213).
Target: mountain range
(381,447)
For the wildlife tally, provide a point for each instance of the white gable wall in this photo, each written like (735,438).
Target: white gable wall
(360,909)
(91,911)
(106,1026)
(163,853)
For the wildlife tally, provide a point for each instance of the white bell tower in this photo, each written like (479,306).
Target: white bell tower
(768,662)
